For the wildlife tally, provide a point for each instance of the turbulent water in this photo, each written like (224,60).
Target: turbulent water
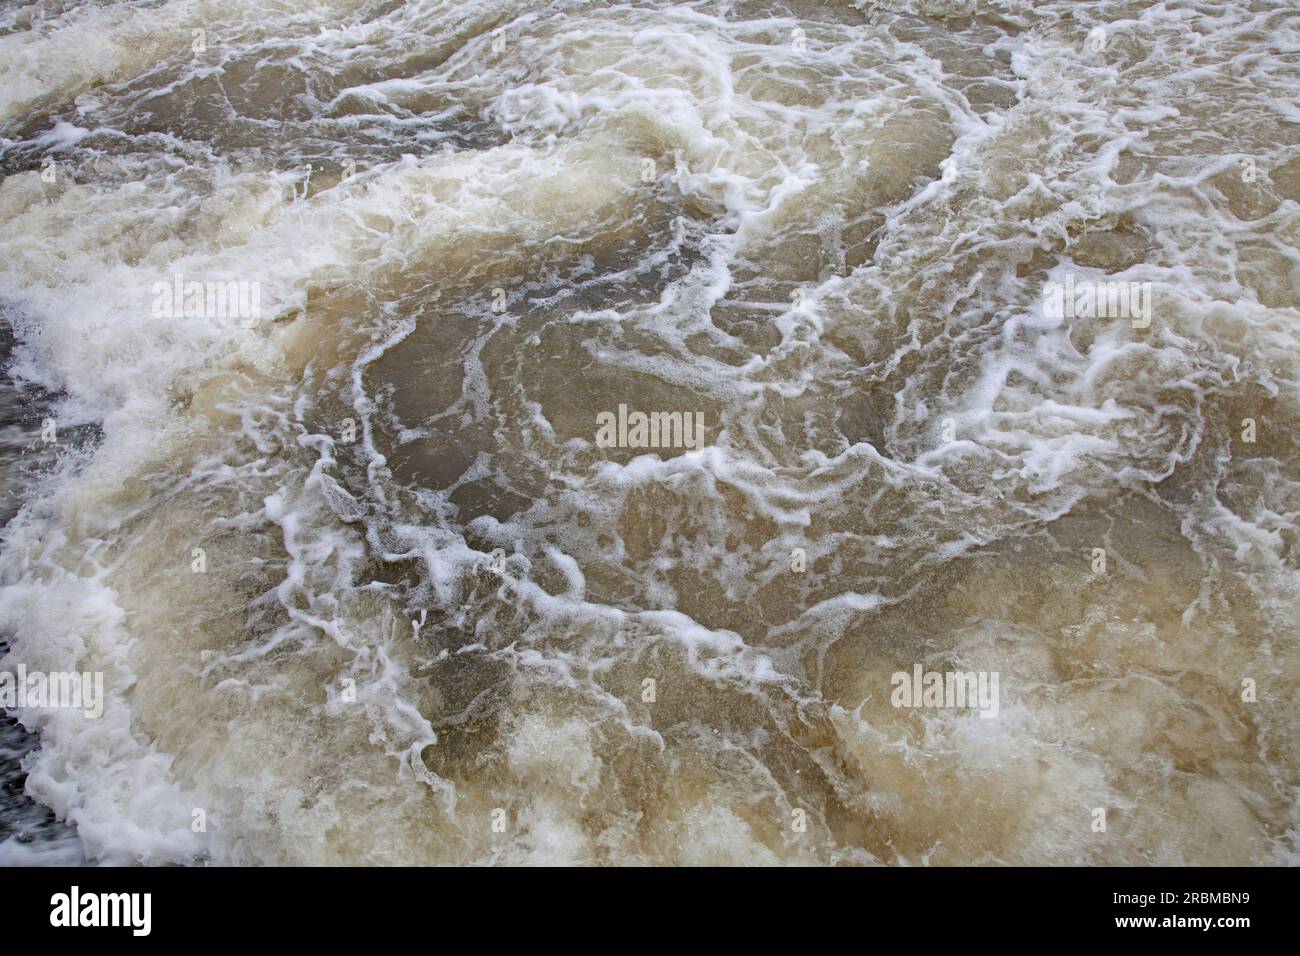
(366,586)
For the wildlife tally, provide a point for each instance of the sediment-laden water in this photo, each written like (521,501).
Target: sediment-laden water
(317,313)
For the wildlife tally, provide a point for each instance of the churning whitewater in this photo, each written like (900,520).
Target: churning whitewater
(773,432)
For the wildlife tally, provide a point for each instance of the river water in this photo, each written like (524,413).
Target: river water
(363,583)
